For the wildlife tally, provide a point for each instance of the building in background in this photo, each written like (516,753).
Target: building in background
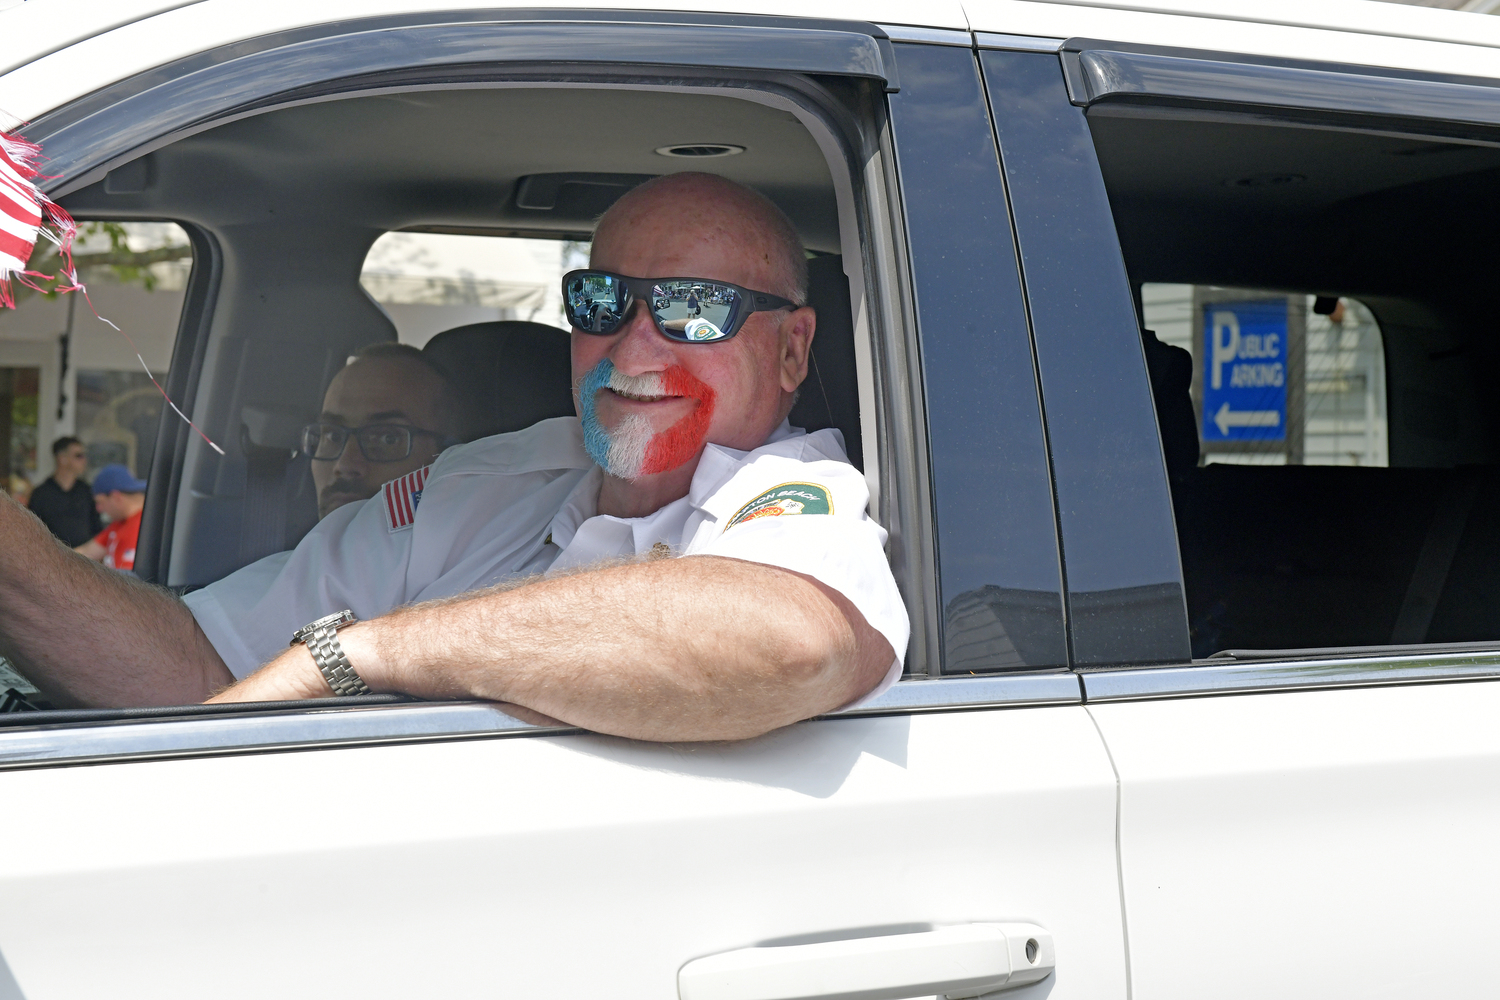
(67,372)
(1278,379)
(431,282)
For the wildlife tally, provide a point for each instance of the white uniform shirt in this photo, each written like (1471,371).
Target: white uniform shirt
(519,504)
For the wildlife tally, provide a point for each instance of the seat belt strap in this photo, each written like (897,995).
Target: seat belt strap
(1430,574)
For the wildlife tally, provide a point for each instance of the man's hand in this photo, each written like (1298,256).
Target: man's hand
(699,648)
(87,635)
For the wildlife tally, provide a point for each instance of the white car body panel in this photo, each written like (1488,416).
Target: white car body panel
(1364,17)
(555,865)
(1250,37)
(1317,843)
(95,62)
(97,42)
(1273,835)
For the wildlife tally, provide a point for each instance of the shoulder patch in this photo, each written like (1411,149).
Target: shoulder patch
(788,498)
(402,497)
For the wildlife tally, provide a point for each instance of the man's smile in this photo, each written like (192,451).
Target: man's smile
(636,425)
(640,398)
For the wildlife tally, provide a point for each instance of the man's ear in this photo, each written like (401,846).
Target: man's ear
(796,344)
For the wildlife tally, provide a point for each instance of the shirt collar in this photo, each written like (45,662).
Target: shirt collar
(581,504)
(715,467)
(719,463)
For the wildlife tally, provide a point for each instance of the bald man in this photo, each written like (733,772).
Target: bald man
(675,563)
(387,413)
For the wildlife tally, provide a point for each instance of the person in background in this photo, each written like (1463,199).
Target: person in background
(65,501)
(387,413)
(119,496)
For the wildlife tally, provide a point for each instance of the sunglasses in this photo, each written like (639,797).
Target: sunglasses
(690,310)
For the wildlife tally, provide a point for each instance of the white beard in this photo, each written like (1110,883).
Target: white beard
(627,447)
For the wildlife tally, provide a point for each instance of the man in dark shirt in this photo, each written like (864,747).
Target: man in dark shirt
(65,501)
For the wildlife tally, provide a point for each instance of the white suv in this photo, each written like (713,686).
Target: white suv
(1199,703)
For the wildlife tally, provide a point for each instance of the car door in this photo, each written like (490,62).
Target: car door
(373,848)
(1282,812)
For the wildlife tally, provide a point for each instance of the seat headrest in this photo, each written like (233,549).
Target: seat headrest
(510,374)
(830,393)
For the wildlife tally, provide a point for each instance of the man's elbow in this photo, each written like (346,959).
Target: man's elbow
(827,668)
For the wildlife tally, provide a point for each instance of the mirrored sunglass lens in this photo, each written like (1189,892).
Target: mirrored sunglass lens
(595,302)
(697,311)
(385,444)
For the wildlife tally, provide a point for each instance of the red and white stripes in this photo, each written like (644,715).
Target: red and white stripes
(25,215)
(402,497)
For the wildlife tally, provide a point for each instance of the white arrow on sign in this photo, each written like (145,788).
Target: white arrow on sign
(1227,418)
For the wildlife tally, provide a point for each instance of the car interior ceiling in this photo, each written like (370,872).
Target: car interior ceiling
(295,197)
(1278,557)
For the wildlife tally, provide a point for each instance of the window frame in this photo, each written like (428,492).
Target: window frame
(1220,86)
(861,158)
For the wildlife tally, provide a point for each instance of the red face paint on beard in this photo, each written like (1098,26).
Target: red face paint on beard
(683,440)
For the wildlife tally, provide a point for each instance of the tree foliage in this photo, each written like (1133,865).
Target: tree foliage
(119,263)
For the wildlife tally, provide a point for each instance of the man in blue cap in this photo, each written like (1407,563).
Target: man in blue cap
(119,496)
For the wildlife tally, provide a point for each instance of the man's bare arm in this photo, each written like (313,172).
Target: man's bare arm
(700,648)
(87,635)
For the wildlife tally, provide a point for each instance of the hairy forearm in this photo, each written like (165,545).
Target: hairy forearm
(87,635)
(685,649)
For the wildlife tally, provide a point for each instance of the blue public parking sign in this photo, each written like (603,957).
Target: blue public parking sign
(1244,371)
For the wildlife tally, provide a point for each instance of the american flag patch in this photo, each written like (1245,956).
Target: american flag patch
(402,497)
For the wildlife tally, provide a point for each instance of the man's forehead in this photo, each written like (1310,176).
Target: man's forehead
(660,238)
(381,389)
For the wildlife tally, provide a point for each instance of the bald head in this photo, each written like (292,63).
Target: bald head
(709,209)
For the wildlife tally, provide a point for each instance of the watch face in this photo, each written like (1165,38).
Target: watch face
(345,617)
(331,620)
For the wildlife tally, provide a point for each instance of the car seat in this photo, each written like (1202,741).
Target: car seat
(509,374)
(830,395)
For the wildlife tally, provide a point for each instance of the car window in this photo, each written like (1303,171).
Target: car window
(64,372)
(430,282)
(1278,378)
(1311,307)
(458,254)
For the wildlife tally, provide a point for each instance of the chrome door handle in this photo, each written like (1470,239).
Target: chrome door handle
(967,960)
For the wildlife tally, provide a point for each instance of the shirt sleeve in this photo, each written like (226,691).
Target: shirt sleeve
(811,518)
(351,559)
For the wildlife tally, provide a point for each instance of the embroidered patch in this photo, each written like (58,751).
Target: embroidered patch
(788,498)
(402,496)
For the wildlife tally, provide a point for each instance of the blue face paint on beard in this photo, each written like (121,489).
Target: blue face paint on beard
(595,437)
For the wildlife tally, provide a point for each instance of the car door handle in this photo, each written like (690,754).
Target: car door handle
(966,960)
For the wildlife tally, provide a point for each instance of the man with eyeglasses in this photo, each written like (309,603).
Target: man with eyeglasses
(675,563)
(386,414)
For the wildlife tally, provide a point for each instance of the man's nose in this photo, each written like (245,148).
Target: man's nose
(351,464)
(641,347)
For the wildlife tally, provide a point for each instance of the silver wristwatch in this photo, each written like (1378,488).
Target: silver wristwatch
(322,640)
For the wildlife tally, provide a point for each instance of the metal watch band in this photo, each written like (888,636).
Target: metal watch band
(328,653)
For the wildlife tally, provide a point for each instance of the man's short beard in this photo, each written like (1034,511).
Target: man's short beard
(634,448)
(344,487)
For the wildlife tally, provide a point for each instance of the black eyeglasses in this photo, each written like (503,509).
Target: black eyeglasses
(690,310)
(377,442)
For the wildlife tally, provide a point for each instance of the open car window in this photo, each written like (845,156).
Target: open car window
(1311,304)
(430,282)
(64,372)
(415,218)
(1278,379)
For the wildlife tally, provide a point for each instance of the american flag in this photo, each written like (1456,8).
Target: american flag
(25,214)
(402,497)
